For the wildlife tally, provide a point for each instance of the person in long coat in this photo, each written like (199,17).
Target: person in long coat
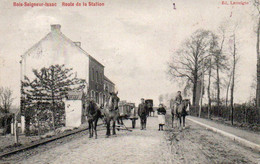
(161,116)
(177,101)
(143,113)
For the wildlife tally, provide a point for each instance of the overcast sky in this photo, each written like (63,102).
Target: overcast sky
(134,39)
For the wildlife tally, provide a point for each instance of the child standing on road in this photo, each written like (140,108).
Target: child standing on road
(161,116)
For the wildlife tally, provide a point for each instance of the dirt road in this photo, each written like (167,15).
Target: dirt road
(191,145)
(146,146)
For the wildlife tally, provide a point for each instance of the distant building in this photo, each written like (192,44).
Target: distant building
(56,48)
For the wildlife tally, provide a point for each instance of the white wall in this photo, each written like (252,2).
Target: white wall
(55,48)
(73,113)
(23,124)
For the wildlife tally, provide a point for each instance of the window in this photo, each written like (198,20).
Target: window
(93,74)
(92,94)
(97,76)
(97,98)
(100,98)
(101,78)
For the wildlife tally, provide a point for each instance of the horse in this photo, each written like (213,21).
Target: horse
(93,114)
(111,112)
(181,112)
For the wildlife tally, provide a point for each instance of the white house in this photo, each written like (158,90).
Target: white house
(56,48)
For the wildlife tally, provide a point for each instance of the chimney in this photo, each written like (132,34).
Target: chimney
(77,43)
(55,27)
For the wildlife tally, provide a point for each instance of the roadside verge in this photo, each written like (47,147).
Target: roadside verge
(240,140)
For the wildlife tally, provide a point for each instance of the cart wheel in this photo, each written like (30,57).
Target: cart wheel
(133,123)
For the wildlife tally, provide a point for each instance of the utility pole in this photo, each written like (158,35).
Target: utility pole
(16,135)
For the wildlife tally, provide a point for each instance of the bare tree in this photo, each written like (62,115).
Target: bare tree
(234,63)
(212,51)
(220,63)
(227,83)
(160,98)
(6,99)
(208,89)
(187,62)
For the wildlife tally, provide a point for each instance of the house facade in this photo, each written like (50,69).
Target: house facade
(96,80)
(109,87)
(56,48)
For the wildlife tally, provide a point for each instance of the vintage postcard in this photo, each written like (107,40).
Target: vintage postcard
(129,81)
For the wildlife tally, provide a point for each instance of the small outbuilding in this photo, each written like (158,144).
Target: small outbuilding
(74,109)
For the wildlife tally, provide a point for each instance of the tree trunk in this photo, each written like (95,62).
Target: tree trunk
(195,86)
(233,83)
(218,69)
(194,92)
(53,118)
(232,99)
(218,89)
(230,77)
(209,97)
(27,125)
(201,90)
(38,123)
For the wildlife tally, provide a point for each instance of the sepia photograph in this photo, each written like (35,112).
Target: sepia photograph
(129,82)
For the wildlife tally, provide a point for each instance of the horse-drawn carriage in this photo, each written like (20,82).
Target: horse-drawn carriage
(149,103)
(128,111)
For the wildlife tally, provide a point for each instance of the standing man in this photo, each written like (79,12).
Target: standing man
(143,113)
